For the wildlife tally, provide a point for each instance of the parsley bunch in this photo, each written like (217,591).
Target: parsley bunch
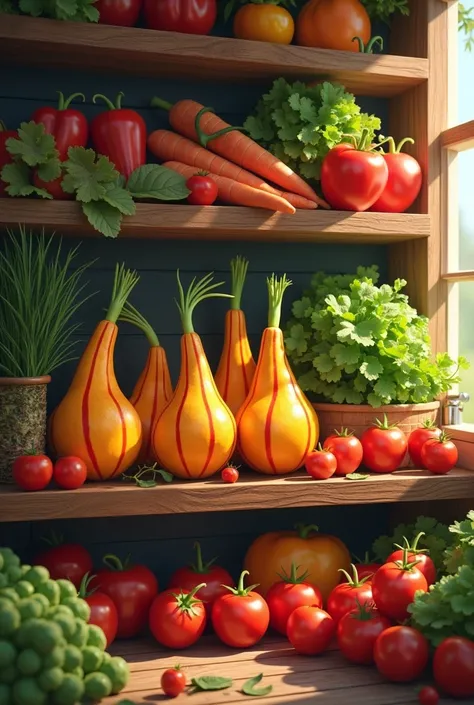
(72,10)
(384,9)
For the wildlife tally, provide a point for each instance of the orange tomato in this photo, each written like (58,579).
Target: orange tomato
(264,23)
(332,24)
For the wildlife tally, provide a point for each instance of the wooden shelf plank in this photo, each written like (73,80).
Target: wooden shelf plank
(28,40)
(253,491)
(223,223)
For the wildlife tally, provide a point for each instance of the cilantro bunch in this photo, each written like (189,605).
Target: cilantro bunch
(299,123)
(72,10)
(384,9)
(351,341)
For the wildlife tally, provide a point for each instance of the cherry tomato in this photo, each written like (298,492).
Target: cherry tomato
(358,631)
(240,618)
(320,464)
(203,189)
(439,455)
(401,654)
(404,180)
(69,561)
(310,630)
(418,438)
(384,447)
(345,596)
(288,594)
(453,667)
(70,473)
(428,696)
(103,611)
(173,682)
(230,474)
(423,562)
(348,451)
(177,620)
(32,472)
(394,586)
(264,23)
(122,13)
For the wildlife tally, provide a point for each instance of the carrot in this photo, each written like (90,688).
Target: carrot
(231,191)
(194,121)
(168,146)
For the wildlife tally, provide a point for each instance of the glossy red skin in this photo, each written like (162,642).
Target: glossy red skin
(453,667)
(417,439)
(320,464)
(310,630)
(187,579)
(173,627)
(352,180)
(367,570)
(32,472)
(70,561)
(230,475)
(401,654)
(103,614)
(393,589)
(188,16)
(283,598)
(384,449)
(428,696)
(69,127)
(121,13)
(356,637)
(203,189)
(439,457)
(120,135)
(424,564)
(5,156)
(70,473)
(173,682)
(132,591)
(348,451)
(344,598)
(53,187)
(240,620)
(403,184)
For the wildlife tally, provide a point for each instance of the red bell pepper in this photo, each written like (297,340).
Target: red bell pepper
(188,16)
(120,134)
(5,156)
(121,13)
(67,125)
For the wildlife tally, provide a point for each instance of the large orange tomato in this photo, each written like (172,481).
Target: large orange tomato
(321,556)
(264,23)
(333,24)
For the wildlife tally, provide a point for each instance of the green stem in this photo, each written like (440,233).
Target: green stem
(240,590)
(3,127)
(204,138)
(53,539)
(111,106)
(131,315)
(354,579)
(238,270)
(196,293)
(84,591)
(276,288)
(114,563)
(124,282)
(200,567)
(159,103)
(64,103)
(369,48)
(363,140)
(293,578)
(305,531)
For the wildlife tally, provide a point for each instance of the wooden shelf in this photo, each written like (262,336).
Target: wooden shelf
(28,40)
(252,491)
(223,223)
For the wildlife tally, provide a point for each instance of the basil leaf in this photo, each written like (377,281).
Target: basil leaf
(356,476)
(158,182)
(211,683)
(249,688)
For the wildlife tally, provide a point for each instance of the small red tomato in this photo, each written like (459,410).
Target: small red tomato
(121,13)
(358,631)
(428,696)
(70,473)
(32,472)
(173,682)
(103,611)
(384,447)
(240,618)
(439,455)
(230,474)
(288,594)
(418,438)
(366,568)
(423,562)
(320,464)
(348,451)
(394,586)
(453,667)
(177,620)
(347,595)
(310,630)
(69,561)
(401,654)
(203,189)
(404,180)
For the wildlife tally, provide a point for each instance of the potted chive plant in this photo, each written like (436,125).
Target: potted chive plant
(39,295)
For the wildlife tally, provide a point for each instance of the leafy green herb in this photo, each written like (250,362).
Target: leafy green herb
(351,341)
(146,476)
(463,550)
(384,9)
(211,683)
(154,181)
(300,123)
(356,476)
(249,688)
(71,10)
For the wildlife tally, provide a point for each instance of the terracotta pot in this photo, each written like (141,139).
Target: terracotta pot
(22,419)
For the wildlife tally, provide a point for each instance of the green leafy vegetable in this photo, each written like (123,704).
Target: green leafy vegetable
(71,10)
(463,550)
(211,683)
(146,476)
(154,181)
(299,123)
(384,9)
(249,688)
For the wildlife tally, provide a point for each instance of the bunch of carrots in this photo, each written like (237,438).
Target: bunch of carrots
(238,165)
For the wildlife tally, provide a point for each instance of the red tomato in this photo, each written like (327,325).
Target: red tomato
(32,472)
(401,654)
(439,455)
(310,630)
(358,631)
(365,568)
(122,13)
(404,180)
(453,667)
(132,589)
(213,576)
(353,179)
(348,451)
(288,594)
(70,561)
(70,473)
(230,474)
(384,447)
(418,438)
(394,586)
(320,464)
(203,189)
(103,611)
(240,618)
(188,16)
(346,596)
(173,682)
(428,696)
(423,562)
(177,620)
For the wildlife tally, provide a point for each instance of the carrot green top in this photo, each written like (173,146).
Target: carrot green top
(196,292)
(276,289)
(238,270)
(132,315)
(124,282)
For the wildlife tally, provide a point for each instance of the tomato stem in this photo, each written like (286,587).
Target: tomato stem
(111,106)
(54,539)
(405,564)
(293,578)
(369,47)
(240,590)
(354,581)
(204,138)
(114,563)
(200,567)
(364,611)
(84,591)
(304,531)
(187,600)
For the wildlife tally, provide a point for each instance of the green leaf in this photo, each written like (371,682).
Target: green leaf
(249,688)
(371,368)
(88,174)
(345,354)
(145,483)
(17,176)
(167,476)
(297,339)
(49,171)
(33,145)
(356,476)
(323,363)
(103,217)
(154,181)
(34,8)
(120,199)
(211,683)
